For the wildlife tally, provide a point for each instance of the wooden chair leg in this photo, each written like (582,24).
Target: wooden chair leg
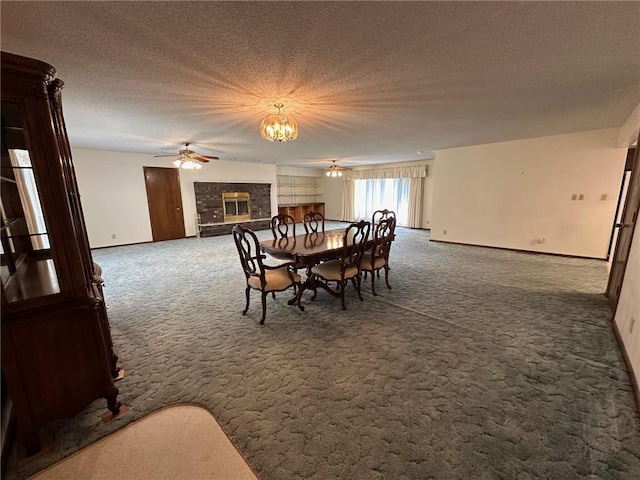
(386,276)
(246,307)
(373,283)
(264,307)
(343,284)
(359,282)
(312,284)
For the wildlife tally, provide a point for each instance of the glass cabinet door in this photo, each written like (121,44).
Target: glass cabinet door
(27,267)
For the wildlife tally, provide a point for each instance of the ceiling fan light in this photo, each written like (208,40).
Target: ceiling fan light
(279,127)
(178,162)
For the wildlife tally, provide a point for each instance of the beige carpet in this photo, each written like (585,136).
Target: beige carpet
(180,442)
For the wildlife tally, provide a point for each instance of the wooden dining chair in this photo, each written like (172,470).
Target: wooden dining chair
(313,222)
(379,215)
(377,257)
(345,268)
(282,226)
(260,276)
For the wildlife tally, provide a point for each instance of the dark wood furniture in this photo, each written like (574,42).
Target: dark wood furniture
(377,257)
(344,269)
(283,226)
(313,222)
(259,276)
(379,215)
(297,210)
(56,342)
(309,249)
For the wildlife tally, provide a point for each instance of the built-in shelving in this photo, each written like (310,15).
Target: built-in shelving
(292,190)
(299,195)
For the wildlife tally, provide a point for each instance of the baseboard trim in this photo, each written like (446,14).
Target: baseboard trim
(533,252)
(140,243)
(627,361)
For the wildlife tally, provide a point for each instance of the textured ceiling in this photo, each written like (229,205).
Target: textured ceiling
(368,82)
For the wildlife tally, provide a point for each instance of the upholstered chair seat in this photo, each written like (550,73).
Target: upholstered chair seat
(331,270)
(368,266)
(276,280)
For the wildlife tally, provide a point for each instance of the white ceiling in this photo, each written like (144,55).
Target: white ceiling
(368,82)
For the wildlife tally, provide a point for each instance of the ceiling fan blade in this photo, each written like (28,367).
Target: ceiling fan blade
(207,156)
(201,160)
(204,158)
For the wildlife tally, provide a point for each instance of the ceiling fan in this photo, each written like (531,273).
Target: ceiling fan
(188,159)
(335,170)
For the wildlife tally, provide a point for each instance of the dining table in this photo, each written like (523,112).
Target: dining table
(307,250)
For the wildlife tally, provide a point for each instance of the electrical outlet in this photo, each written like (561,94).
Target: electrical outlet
(540,240)
(113,236)
(444,232)
(574,196)
(603,197)
(581,196)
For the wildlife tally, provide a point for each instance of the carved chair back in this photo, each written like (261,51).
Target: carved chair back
(249,252)
(354,241)
(379,215)
(313,222)
(283,226)
(383,235)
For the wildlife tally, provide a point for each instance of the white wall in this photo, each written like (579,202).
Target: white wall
(114,196)
(299,171)
(510,194)
(332,189)
(628,312)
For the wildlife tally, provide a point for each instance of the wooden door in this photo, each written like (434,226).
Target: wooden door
(626,228)
(165,203)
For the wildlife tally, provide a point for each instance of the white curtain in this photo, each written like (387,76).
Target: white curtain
(416,201)
(381,193)
(400,189)
(416,171)
(347,201)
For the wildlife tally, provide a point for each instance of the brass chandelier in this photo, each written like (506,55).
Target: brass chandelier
(279,127)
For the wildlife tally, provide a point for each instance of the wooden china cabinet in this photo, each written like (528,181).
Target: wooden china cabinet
(57,354)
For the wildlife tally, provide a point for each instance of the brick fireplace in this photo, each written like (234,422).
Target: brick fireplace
(210,206)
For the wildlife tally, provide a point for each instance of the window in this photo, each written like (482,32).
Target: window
(377,194)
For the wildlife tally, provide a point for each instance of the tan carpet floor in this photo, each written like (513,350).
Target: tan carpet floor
(179,442)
